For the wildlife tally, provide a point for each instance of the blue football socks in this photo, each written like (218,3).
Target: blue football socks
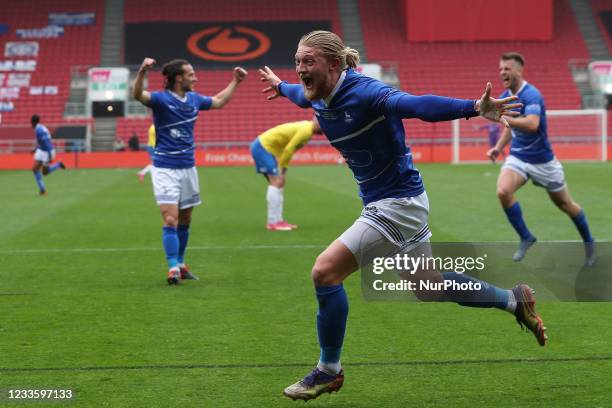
(331,321)
(487,296)
(53,167)
(515,216)
(583,226)
(183,238)
(39,180)
(170,241)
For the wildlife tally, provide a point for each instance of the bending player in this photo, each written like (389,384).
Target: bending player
(175,177)
(272,151)
(44,153)
(396,206)
(531,156)
(150,150)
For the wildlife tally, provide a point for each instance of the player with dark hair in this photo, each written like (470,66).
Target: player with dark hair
(531,157)
(44,153)
(362,118)
(175,178)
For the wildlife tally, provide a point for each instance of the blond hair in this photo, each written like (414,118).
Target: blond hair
(332,47)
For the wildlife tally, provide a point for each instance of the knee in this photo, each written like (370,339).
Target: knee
(45,170)
(323,272)
(504,194)
(170,220)
(277,182)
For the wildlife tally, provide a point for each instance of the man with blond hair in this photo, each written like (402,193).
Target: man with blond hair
(362,118)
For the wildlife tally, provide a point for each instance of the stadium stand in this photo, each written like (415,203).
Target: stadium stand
(602,10)
(461,69)
(78,46)
(248,114)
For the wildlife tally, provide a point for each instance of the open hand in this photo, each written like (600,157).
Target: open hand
(496,110)
(270,78)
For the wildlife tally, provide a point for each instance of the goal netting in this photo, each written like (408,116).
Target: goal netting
(574,134)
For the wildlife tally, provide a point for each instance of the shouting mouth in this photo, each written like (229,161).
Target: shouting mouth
(308,82)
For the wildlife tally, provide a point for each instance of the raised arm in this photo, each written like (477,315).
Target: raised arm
(224,96)
(294,92)
(138,87)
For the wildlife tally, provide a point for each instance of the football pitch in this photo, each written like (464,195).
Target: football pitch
(86,307)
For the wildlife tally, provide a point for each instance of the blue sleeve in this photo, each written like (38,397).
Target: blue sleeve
(204,102)
(295,93)
(430,108)
(154,100)
(533,103)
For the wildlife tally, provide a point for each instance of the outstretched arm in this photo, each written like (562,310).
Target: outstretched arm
(429,108)
(138,88)
(433,108)
(277,88)
(223,97)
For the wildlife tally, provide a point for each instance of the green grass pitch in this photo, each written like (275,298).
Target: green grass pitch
(85,306)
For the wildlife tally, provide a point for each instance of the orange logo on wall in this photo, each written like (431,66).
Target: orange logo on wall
(220,46)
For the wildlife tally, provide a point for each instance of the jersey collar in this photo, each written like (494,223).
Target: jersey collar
(183,99)
(523,85)
(327,100)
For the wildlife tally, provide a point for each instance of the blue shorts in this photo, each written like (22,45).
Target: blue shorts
(265,162)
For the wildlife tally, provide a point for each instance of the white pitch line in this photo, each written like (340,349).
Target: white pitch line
(227,247)
(190,248)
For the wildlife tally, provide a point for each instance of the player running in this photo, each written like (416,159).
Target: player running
(362,118)
(150,150)
(44,153)
(531,156)
(175,178)
(272,151)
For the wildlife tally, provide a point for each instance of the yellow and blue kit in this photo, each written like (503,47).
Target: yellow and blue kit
(275,147)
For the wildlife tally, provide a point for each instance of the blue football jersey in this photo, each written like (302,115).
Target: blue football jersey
(174,120)
(531,147)
(43,138)
(362,118)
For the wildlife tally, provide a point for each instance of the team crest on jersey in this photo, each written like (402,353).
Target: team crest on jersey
(347,117)
(176,133)
(329,115)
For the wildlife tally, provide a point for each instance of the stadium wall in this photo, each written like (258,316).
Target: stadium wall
(228,157)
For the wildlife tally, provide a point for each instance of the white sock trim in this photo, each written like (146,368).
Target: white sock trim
(511,306)
(329,368)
